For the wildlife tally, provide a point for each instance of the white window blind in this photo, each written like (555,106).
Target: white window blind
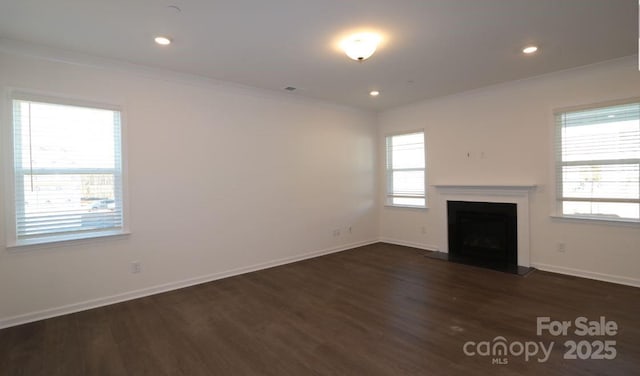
(598,162)
(406,170)
(67,170)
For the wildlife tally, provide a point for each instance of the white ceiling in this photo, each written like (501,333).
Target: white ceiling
(431,48)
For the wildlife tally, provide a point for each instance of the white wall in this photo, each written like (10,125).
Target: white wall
(222,179)
(512,124)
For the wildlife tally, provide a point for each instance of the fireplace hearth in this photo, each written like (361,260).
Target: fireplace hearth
(483,234)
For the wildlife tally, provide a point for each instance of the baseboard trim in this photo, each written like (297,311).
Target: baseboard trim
(140,293)
(545,267)
(426,247)
(135,294)
(588,274)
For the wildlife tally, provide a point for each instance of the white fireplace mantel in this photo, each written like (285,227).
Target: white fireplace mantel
(513,193)
(512,189)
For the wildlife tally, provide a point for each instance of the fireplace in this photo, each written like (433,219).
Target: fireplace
(506,193)
(483,234)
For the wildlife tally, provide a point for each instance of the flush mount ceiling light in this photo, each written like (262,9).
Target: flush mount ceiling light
(163,41)
(360,47)
(374,93)
(530,49)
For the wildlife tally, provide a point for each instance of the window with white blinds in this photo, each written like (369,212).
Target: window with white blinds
(598,162)
(67,171)
(406,170)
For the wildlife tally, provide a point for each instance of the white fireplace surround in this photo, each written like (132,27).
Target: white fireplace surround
(513,194)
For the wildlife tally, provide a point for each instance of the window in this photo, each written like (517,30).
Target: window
(598,162)
(67,171)
(406,170)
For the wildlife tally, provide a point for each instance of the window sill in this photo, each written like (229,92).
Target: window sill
(60,240)
(406,207)
(620,222)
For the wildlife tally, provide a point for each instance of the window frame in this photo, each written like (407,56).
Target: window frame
(10,166)
(558,164)
(388,196)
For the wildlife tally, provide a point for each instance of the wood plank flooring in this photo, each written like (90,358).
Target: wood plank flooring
(375,310)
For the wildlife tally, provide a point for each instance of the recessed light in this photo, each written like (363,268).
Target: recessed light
(530,49)
(374,93)
(164,41)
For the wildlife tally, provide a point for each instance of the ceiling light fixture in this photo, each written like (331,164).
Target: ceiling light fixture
(163,41)
(360,47)
(374,93)
(530,49)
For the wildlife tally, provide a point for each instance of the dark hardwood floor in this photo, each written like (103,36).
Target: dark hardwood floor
(375,310)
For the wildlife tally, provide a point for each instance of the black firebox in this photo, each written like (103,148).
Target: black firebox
(484,234)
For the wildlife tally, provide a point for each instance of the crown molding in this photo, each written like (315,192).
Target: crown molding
(57,55)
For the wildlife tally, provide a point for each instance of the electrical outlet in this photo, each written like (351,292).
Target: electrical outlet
(136,267)
(561,247)
(336,232)
(423,229)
